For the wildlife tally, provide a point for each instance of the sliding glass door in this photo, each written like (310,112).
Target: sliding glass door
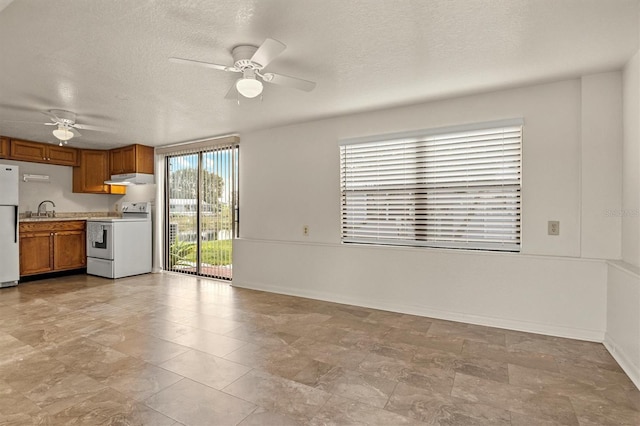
(202,211)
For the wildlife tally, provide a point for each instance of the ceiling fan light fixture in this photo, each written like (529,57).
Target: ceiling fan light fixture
(63,133)
(249,87)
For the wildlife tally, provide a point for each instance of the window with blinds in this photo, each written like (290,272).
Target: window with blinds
(455,188)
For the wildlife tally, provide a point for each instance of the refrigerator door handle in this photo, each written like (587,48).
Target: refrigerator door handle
(16,223)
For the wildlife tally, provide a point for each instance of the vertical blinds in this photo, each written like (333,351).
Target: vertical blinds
(202,207)
(452,189)
(207,174)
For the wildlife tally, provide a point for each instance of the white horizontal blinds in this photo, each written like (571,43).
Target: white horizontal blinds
(455,189)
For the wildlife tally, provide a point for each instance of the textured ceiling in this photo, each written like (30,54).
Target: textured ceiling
(107,60)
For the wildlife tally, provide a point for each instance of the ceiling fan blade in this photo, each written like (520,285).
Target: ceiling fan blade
(203,64)
(50,124)
(90,127)
(54,118)
(26,122)
(285,80)
(268,51)
(75,132)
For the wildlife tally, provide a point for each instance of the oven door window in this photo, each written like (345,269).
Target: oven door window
(101,248)
(103,244)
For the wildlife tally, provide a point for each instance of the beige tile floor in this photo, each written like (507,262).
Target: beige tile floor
(167,349)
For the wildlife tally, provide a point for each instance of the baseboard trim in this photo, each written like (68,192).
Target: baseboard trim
(632,370)
(425,311)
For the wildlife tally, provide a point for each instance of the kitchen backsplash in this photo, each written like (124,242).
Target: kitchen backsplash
(59,190)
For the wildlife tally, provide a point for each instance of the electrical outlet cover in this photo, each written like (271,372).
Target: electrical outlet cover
(554,227)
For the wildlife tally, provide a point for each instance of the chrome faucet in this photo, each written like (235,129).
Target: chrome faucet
(42,207)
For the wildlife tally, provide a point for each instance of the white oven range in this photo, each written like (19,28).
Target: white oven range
(120,247)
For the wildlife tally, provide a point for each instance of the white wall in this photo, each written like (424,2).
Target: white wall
(601,163)
(622,338)
(630,211)
(547,295)
(138,193)
(59,190)
(290,178)
(623,277)
(290,175)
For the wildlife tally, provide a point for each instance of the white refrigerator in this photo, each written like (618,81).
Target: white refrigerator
(9,241)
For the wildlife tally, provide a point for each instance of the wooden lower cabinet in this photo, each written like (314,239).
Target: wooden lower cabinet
(69,250)
(51,246)
(35,252)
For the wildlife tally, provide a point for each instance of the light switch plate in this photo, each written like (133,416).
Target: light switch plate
(553,227)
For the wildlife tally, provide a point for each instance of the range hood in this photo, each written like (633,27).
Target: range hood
(130,179)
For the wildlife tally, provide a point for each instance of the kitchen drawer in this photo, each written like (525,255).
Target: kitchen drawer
(100,267)
(53,226)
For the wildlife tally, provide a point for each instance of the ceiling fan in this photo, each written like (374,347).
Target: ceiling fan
(250,62)
(65,121)
(66,125)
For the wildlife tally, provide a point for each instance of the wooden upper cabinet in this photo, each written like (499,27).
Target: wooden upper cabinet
(28,151)
(63,155)
(131,159)
(91,167)
(42,153)
(4,147)
(92,171)
(117,160)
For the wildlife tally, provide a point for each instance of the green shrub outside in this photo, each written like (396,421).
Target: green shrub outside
(217,253)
